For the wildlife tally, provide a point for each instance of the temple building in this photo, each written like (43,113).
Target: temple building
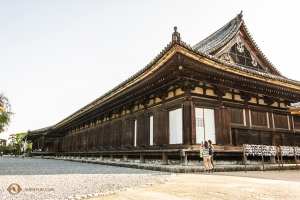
(223,89)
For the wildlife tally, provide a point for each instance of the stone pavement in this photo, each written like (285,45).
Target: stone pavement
(270,185)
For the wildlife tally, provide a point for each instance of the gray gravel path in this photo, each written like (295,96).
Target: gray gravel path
(57,179)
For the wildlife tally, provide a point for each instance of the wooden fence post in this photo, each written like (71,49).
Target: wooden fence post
(278,160)
(262,157)
(245,157)
(295,154)
(281,157)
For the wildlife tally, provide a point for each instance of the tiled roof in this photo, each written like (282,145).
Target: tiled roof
(203,48)
(221,36)
(40,131)
(225,34)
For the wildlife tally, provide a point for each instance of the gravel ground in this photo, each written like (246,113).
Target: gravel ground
(57,179)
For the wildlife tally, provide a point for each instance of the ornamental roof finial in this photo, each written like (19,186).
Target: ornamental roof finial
(241,14)
(176,35)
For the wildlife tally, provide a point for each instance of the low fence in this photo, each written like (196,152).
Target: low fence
(276,151)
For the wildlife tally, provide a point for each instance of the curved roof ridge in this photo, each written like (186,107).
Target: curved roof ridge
(221,36)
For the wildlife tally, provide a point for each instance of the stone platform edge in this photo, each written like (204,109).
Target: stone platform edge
(185,169)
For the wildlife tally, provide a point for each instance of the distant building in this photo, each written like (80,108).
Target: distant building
(223,89)
(3,142)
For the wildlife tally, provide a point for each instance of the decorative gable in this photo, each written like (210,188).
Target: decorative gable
(238,52)
(233,43)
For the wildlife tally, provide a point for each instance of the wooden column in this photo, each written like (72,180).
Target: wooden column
(106,136)
(100,137)
(188,115)
(143,131)
(43,144)
(223,126)
(161,128)
(116,131)
(273,139)
(127,133)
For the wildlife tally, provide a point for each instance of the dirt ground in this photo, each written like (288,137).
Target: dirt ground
(221,185)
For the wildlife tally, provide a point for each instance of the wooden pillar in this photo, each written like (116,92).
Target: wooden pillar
(142,158)
(43,144)
(161,128)
(249,139)
(127,139)
(116,134)
(164,160)
(143,131)
(189,135)
(272,137)
(223,126)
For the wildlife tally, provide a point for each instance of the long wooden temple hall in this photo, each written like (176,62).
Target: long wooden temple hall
(223,89)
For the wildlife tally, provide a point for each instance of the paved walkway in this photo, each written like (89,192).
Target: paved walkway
(269,185)
(60,179)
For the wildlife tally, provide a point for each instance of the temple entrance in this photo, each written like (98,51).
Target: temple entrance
(205,125)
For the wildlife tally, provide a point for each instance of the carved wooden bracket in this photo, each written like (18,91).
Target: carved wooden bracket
(220,91)
(101,118)
(129,106)
(267,100)
(145,101)
(245,96)
(162,93)
(187,84)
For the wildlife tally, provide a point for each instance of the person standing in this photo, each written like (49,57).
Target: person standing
(211,153)
(206,158)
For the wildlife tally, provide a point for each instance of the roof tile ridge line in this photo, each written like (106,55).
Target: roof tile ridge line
(228,38)
(79,111)
(192,48)
(235,18)
(202,41)
(259,50)
(41,129)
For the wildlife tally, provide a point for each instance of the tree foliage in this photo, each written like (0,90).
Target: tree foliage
(16,142)
(5,113)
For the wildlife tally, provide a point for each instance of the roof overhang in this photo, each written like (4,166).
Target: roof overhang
(186,50)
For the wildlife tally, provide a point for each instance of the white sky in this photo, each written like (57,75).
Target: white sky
(56,56)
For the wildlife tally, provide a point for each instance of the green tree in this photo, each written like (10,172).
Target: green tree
(16,142)
(5,113)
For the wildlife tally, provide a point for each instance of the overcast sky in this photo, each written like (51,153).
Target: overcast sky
(56,56)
